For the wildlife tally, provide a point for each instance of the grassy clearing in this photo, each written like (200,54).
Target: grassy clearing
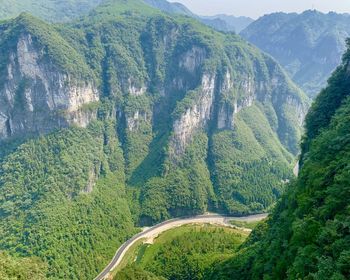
(241,224)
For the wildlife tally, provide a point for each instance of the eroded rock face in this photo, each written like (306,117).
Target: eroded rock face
(133,120)
(37,98)
(226,111)
(135,90)
(195,117)
(192,59)
(248,90)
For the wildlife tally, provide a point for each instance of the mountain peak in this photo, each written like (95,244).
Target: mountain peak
(25,19)
(113,8)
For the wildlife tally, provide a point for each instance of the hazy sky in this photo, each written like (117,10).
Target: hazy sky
(256,8)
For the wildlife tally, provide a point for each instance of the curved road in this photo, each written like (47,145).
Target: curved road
(151,233)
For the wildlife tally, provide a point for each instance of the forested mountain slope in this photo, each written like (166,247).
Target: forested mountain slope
(130,116)
(308,234)
(51,10)
(308,45)
(65,10)
(21,268)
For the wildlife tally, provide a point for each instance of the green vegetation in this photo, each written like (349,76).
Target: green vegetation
(21,268)
(186,189)
(307,235)
(72,196)
(308,45)
(50,187)
(51,10)
(188,252)
(247,162)
(135,273)
(249,225)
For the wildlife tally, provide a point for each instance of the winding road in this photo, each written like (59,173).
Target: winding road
(150,233)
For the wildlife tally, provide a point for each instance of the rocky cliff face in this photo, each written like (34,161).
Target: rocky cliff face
(196,117)
(188,120)
(37,98)
(250,88)
(187,104)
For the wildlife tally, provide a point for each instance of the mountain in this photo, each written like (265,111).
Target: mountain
(308,45)
(225,23)
(51,10)
(170,7)
(127,117)
(63,11)
(232,23)
(307,235)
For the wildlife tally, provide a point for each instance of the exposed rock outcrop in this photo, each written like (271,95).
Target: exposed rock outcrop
(196,116)
(37,98)
(234,95)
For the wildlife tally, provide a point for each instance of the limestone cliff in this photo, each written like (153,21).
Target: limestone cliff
(201,111)
(231,95)
(36,96)
(174,119)
(195,117)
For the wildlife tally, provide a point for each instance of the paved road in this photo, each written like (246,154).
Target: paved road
(151,233)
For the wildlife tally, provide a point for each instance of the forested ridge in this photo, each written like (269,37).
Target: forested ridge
(53,207)
(51,10)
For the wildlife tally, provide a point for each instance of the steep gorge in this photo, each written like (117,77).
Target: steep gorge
(132,116)
(307,234)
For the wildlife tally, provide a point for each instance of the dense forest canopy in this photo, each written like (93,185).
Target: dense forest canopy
(129,116)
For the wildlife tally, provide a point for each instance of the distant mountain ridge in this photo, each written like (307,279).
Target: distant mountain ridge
(232,23)
(308,45)
(170,7)
(221,22)
(63,11)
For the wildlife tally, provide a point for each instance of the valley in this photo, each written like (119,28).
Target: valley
(149,234)
(123,122)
